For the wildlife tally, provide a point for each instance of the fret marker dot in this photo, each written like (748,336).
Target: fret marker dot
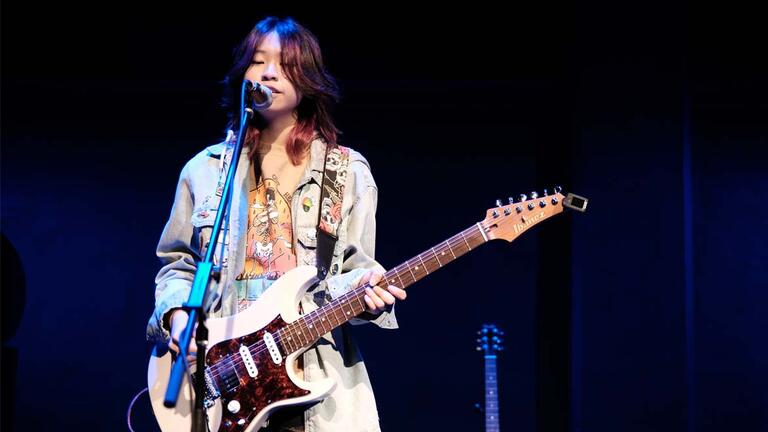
(417,267)
(310,326)
(442,253)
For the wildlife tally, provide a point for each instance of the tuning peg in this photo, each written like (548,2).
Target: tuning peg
(498,203)
(545,192)
(511,200)
(478,349)
(523,197)
(558,189)
(534,195)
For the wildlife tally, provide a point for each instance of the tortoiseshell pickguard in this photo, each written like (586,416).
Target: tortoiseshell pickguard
(270,385)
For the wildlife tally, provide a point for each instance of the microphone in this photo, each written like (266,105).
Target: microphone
(259,96)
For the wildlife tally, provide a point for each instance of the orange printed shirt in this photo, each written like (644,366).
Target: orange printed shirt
(269,242)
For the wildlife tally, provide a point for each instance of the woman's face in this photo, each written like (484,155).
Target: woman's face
(266,68)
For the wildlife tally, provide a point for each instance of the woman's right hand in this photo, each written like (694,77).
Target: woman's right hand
(178,321)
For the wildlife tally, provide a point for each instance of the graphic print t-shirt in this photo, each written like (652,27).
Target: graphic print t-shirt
(269,242)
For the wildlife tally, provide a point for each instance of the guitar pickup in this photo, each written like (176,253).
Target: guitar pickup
(576,202)
(250,365)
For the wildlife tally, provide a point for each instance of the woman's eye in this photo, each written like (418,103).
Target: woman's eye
(257,62)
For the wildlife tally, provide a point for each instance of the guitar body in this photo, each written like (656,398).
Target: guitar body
(245,401)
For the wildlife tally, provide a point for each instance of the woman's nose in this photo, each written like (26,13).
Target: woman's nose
(270,72)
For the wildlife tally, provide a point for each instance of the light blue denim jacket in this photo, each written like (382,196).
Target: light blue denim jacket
(351,407)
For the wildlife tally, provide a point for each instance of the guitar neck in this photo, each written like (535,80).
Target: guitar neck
(491,395)
(307,329)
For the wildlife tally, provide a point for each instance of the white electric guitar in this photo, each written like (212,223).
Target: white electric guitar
(250,368)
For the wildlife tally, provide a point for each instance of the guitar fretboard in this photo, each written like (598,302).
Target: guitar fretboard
(310,327)
(491,395)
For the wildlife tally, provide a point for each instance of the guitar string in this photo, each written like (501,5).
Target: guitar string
(334,306)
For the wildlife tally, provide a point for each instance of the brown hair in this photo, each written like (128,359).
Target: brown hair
(303,66)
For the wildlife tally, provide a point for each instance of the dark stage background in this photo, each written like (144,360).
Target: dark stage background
(644,314)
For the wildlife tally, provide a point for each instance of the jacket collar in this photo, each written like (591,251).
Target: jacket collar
(314,170)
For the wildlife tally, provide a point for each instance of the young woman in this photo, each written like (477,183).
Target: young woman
(274,215)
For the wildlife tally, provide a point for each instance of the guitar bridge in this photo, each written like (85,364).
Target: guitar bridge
(211,392)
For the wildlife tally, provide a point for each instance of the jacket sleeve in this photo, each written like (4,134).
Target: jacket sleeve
(361,241)
(178,258)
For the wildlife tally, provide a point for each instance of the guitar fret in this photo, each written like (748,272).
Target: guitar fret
(344,303)
(465,240)
(302,336)
(286,343)
(291,339)
(409,269)
(310,319)
(422,264)
(402,285)
(336,317)
(323,321)
(436,258)
(400,273)
(350,311)
(299,333)
(450,249)
(360,300)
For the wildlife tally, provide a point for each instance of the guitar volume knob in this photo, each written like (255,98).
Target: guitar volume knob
(233,406)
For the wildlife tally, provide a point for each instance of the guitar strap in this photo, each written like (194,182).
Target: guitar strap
(329,218)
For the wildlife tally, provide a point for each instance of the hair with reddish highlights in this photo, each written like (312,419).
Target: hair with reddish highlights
(303,66)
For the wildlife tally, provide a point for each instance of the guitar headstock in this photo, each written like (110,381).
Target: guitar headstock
(489,339)
(509,221)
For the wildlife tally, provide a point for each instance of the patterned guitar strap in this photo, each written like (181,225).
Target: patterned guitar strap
(331,194)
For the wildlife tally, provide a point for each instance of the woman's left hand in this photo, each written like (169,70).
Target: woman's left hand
(377,298)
